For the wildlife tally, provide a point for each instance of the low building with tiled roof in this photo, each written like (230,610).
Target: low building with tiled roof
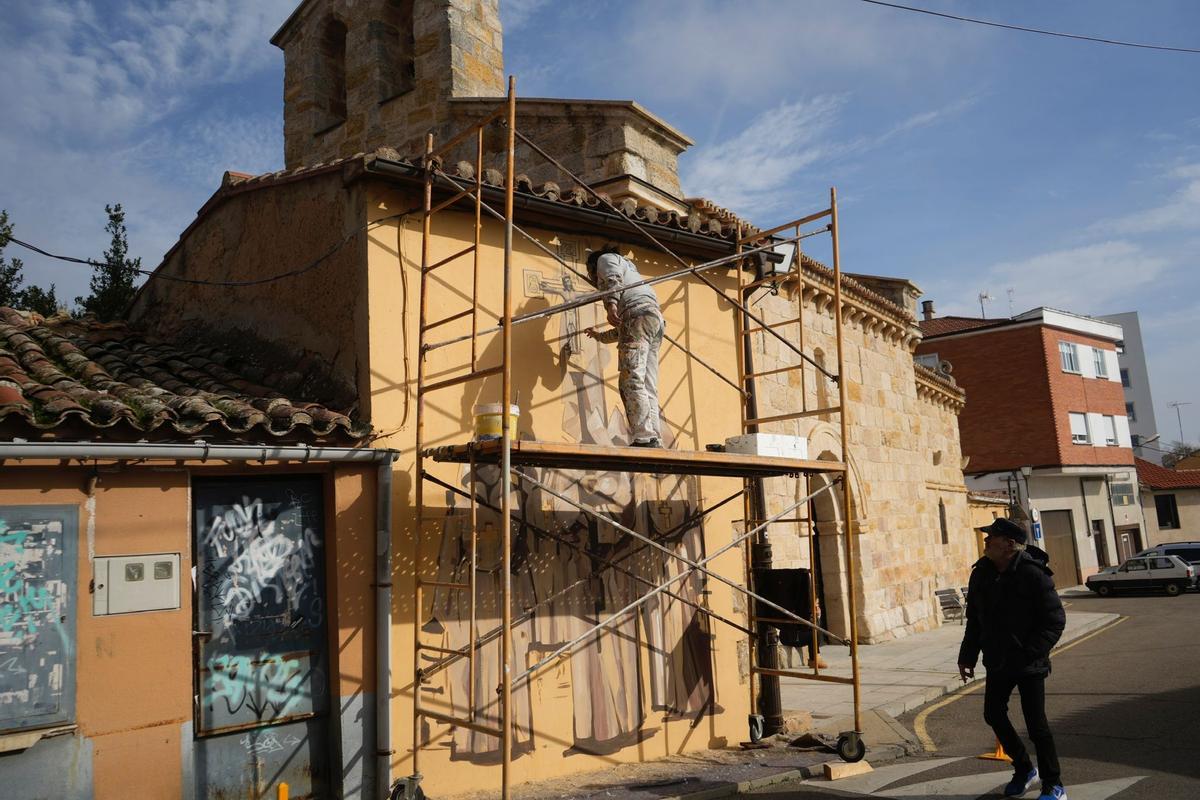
(66,378)
(1170,501)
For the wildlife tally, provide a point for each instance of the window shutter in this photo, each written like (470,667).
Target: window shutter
(1087,361)
(1096,427)
(1114,367)
(1123,439)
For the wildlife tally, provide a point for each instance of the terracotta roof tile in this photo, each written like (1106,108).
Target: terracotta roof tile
(1154,476)
(60,372)
(940,326)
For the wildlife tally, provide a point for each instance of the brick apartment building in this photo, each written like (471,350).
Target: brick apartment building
(1045,420)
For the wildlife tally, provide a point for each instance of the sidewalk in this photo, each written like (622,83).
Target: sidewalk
(896,676)
(900,675)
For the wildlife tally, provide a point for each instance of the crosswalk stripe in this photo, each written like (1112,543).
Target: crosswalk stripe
(872,781)
(966,787)
(1101,790)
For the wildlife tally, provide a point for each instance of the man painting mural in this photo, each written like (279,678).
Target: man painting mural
(637,328)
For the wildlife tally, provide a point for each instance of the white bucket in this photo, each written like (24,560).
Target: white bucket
(488,421)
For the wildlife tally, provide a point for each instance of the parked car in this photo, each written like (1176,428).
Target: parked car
(1188,551)
(1169,573)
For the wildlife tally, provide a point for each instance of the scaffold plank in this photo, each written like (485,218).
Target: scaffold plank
(633,459)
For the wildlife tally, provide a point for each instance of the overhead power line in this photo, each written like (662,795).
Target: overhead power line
(1026,29)
(156,275)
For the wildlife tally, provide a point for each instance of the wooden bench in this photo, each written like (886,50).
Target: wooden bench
(952,605)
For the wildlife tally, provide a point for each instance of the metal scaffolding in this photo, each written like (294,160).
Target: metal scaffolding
(512,455)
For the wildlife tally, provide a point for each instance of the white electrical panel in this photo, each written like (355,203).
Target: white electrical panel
(124,584)
(768,444)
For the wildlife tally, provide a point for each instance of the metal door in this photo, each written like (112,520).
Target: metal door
(261,671)
(1059,543)
(37,615)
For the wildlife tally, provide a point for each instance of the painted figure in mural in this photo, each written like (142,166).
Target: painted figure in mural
(637,328)
(561,580)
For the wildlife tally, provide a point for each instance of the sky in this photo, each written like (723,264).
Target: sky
(1042,171)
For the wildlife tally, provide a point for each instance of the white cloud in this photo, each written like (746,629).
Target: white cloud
(755,171)
(751,171)
(757,50)
(1181,211)
(1098,278)
(514,14)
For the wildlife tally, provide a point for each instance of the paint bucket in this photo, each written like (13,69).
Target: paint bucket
(488,421)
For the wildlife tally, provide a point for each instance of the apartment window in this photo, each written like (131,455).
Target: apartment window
(1108,426)
(1100,362)
(1129,412)
(1079,429)
(1125,377)
(1070,357)
(1168,511)
(1122,494)
(1135,440)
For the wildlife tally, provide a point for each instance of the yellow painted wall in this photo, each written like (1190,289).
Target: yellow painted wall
(699,409)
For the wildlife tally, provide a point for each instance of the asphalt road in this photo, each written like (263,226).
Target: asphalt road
(1124,706)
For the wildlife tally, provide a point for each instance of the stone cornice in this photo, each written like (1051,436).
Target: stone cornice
(939,389)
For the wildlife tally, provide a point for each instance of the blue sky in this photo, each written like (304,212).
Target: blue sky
(967,159)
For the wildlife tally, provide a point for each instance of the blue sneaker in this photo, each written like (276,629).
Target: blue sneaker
(1053,793)
(1021,782)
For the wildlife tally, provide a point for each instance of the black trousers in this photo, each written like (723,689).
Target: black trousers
(997,691)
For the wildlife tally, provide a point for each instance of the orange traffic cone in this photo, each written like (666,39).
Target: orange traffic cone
(999,755)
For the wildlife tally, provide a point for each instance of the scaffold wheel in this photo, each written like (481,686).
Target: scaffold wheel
(850,747)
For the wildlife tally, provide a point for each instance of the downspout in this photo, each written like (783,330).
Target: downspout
(1112,515)
(383,628)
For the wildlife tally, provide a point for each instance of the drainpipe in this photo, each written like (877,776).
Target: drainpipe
(383,628)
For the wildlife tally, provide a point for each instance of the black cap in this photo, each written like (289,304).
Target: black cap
(1005,527)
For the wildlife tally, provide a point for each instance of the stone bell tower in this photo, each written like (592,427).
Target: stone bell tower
(361,74)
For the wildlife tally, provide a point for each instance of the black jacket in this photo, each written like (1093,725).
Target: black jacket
(1014,616)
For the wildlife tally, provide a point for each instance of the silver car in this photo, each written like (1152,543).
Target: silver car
(1167,573)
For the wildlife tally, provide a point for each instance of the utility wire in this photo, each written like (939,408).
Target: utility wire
(156,275)
(1042,31)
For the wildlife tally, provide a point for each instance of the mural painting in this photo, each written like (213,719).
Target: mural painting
(560,582)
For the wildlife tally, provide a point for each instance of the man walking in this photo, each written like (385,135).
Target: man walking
(638,331)
(1014,616)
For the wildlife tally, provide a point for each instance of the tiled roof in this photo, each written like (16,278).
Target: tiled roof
(64,376)
(1153,476)
(706,218)
(940,326)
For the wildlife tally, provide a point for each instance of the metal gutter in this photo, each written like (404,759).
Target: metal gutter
(192,451)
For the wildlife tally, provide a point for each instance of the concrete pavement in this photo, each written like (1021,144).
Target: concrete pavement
(901,675)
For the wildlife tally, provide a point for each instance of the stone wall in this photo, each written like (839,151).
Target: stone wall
(905,460)
(365,74)
(403,61)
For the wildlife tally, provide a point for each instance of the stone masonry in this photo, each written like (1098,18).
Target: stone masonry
(910,519)
(360,75)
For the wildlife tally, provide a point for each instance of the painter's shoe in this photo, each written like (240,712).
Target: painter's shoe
(1053,793)
(647,443)
(1020,783)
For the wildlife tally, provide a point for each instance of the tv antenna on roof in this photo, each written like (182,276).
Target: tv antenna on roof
(982,297)
(1010,303)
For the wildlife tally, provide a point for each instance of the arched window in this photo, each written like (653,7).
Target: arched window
(331,83)
(394,46)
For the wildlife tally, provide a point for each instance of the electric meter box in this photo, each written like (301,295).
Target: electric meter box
(125,584)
